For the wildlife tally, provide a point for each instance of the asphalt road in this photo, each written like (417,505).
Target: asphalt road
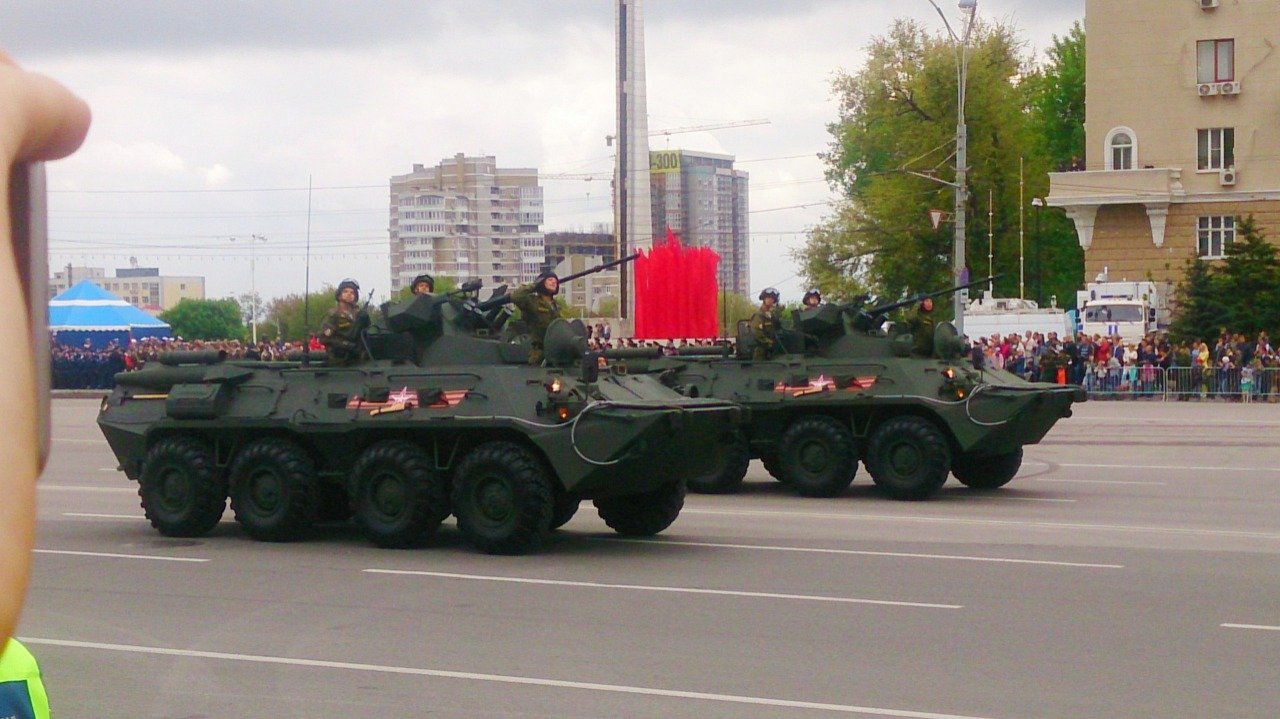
(1131,570)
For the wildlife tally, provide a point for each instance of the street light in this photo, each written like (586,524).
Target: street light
(959,271)
(1037,203)
(253,283)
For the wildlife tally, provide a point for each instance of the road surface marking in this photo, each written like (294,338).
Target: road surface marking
(1172,466)
(1093,481)
(654,588)
(80,441)
(1252,626)
(499,678)
(989,522)
(91,515)
(118,556)
(83,488)
(865,553)
(1019,499)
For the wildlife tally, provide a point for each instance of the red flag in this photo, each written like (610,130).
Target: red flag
(676,291)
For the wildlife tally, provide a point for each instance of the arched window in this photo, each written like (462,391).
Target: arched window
(1122,149)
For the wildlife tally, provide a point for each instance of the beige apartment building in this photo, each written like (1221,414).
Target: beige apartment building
(142,287)
(1182,130)
(466,219)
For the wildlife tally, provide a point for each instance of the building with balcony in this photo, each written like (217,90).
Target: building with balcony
(561,245)
(466,219)
(1182,130)
(703,199)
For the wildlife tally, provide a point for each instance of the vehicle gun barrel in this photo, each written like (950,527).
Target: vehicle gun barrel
(882,309)
(598,268)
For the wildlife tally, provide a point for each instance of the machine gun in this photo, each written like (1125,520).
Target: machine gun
(871,318)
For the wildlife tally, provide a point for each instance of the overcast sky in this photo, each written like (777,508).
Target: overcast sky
(210,118)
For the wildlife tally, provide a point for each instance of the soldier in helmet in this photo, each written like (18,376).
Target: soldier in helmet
(423,285)
(537,303)
(765,326)
(812,298)
(340,332)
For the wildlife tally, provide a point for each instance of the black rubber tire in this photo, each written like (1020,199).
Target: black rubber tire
(908,458)
(728,476)
(645,514)
(565,507)
(817,456)
(990,471)
(772,466)
(273,490)
(182,493)
(398,497)
(503,498)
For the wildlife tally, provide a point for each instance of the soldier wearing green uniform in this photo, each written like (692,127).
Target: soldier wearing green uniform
(537,303)
(340,332)
(812,299)
(922,328)
(22,693)
(765,326)
(423,285)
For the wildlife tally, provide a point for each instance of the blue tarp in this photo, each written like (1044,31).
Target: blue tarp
(86,311)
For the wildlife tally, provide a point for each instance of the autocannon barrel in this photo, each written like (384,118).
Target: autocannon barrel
(181,357)
(598,268)
(882,309)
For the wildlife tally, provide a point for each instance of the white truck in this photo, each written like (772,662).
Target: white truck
(1128,309)
(989,315)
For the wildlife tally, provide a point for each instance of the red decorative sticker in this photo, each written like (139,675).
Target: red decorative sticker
(823,384)
(406,398)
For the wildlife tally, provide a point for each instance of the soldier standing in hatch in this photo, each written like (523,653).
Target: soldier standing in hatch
(423,285)
(340,333)
(764,325)
(812,299)
(922,328)
(537,303)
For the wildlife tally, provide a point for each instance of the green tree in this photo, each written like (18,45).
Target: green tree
(1241,294)
(1198,311)
(293,318)
(732,308)
(897,116)
(205,319)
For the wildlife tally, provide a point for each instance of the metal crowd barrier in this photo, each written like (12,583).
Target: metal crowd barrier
(1182,384)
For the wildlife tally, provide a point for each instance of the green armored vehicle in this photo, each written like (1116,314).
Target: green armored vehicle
(846,389)
(441,420)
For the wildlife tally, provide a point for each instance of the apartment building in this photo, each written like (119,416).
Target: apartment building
(142,287)
(703,199)
(466,219)
(1182,132)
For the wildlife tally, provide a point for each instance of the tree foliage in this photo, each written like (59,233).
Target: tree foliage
(292,319)
(1241,294)
(897,115)
(205,319)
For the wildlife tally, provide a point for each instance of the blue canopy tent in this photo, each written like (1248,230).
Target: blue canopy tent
(86,311)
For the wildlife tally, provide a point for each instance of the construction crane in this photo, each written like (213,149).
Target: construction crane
(589,176)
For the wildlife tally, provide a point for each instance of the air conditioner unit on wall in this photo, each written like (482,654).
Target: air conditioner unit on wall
(1227,176)
(1229,88)
(1207,88)
(1208,4)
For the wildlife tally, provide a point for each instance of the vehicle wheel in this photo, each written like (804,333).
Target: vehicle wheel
(399,499)
(817,456)
(273,490)
(987,471)
(771,465)
(565,507)
(727,477)
(908,457)
(503,498)
(645,514)
(181,492)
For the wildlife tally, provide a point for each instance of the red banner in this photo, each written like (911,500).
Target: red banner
(676,291)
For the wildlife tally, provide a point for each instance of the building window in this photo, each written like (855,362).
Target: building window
(1216,148)
(1122,149)
(1215,60)
(1216,234)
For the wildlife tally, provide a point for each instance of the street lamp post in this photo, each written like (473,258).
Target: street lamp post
(253,284)
(1037,203)
(959,269)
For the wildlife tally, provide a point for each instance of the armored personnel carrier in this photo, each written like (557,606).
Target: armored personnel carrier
(845,389)
(441,419)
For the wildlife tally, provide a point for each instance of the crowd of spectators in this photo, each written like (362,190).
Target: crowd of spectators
(87,367)
(1234,367)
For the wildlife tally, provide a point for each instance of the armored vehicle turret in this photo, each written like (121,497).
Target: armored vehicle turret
(913,410)
(441,418)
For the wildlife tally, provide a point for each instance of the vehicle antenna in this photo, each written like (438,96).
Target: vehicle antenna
(306,292)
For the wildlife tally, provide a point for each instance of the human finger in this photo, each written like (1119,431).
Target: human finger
(40,119)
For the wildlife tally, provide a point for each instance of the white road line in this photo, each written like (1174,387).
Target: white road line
(83,488)
(91,515)
(499,678)
(654,588)
(990,522)
(866,553)
(1094,481)
(1252,626)
(994,497)
(1172,466)
(118,556)
(80,441)
(108,469)
(1138,421)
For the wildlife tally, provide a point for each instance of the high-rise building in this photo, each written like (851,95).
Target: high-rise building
(466,219)
(1181,134)
(704,200)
